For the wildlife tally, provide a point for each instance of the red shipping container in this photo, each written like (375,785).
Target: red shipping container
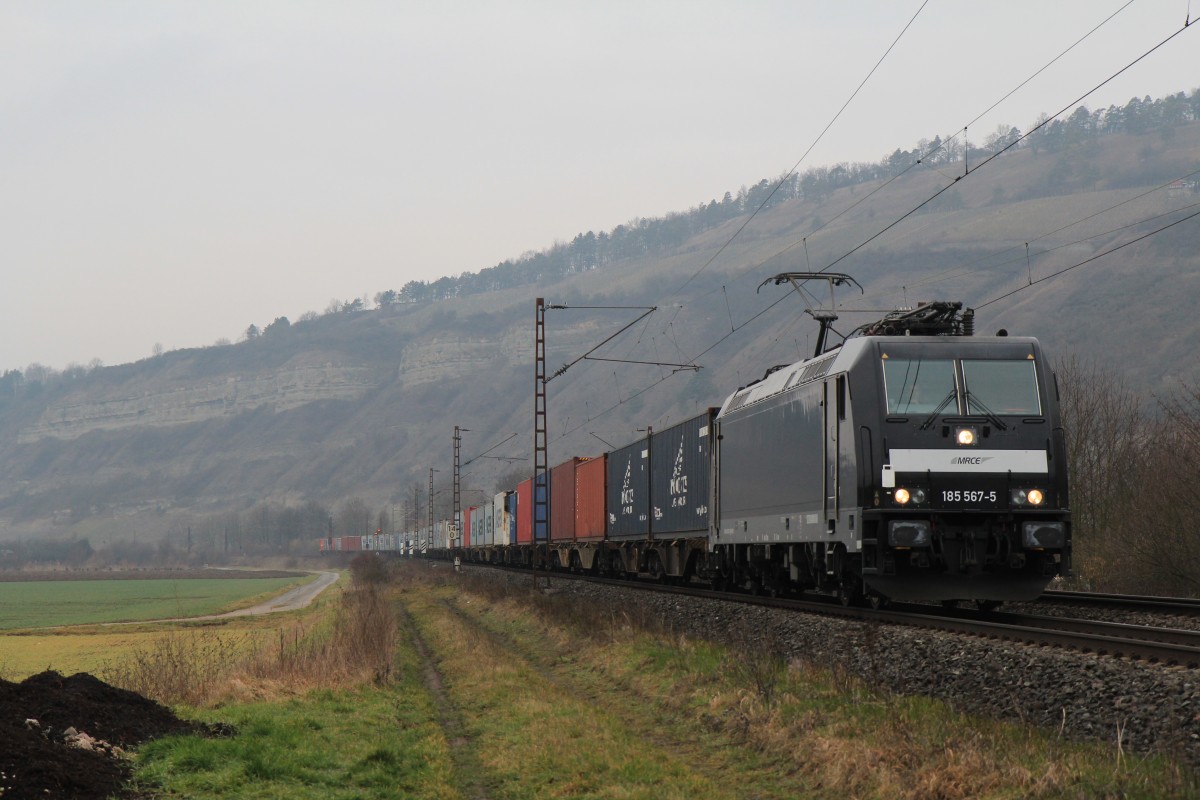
(562,500)
(525,511)
(466,519)
(591,495)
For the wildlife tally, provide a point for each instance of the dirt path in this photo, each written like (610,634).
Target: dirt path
(291,600)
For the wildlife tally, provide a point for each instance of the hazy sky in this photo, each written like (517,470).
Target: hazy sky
(171,172)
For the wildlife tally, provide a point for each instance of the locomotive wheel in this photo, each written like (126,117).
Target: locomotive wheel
(655,570)
(877,601)
(849,594)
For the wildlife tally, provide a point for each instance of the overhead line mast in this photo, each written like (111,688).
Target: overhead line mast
(541,469)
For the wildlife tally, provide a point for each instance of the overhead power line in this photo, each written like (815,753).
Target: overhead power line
(924,157)
(972,265)
(799,161)
(1003,150)
(1110,251)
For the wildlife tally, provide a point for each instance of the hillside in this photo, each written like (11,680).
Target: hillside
(343,416)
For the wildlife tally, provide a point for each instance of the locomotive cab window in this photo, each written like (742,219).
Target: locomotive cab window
(919,385)
(1001,387)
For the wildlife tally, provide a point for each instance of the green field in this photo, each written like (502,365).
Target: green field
(38,604)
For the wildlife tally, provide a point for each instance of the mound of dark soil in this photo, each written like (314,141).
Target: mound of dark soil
(40,758)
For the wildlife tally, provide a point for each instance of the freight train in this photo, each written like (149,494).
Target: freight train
(914,461)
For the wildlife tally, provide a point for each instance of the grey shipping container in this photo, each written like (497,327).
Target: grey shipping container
(629,491)
(679,469)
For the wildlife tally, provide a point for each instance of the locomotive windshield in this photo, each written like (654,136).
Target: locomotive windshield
(919,385)
(984,387)
(1001,387)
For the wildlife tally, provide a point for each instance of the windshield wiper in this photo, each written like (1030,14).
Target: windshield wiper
(941,406)
(987,412)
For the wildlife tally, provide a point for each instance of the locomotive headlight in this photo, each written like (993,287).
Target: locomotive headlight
(1030,497)
(965,436)
(918,496)
(902,496)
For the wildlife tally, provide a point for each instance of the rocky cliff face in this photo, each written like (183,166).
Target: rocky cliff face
(190,402)
(449,356)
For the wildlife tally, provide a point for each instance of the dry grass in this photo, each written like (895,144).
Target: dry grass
(832,730)
(177,667)
(360,641)
(349,643)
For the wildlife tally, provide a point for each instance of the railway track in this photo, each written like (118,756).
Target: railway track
(1169,646)
(1129,602)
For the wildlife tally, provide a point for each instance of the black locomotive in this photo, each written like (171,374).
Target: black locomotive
(916,461)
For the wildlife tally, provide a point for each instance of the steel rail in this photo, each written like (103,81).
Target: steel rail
(1117,630)
(1167,605)
(1169,646)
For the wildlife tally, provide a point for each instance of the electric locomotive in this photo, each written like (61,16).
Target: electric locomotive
(915,461)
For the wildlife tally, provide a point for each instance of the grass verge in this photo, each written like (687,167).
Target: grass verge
(716,721)
(366,742)
(496,691)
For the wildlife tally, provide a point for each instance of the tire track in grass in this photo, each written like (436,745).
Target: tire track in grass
(451,722)
(698,746)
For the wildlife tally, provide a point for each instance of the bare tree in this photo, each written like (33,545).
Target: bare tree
(1162,528)
(353,517)
(1106,429)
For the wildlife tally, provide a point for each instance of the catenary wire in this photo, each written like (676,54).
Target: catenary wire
(1096,257)
(1026,257)
(1002,150)
(796,166)
(924,157)
(970,266)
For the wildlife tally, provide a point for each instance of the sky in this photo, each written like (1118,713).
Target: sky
(171,172)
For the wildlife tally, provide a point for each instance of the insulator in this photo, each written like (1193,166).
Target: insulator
(968,322)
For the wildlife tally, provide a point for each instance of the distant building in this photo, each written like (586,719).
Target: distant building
(1182,188)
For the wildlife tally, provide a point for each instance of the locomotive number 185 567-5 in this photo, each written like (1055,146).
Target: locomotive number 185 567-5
(960,496)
